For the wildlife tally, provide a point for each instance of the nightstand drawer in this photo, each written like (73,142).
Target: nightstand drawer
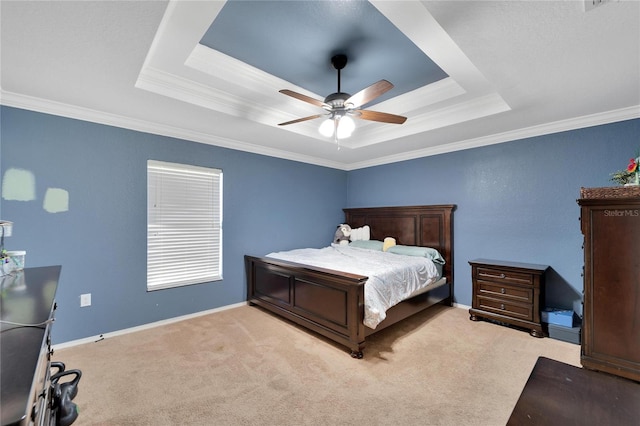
(505,292)
(504,276)
(514,310)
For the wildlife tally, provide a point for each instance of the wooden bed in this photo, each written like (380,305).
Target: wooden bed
(330,302)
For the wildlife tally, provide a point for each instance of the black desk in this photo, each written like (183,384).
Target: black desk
(561,394)
(26,297)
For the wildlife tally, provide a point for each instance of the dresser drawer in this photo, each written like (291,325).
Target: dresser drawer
(505,292)
(504,307)
(504,276)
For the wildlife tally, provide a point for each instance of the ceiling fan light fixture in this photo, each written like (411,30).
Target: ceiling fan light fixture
(341,124)
(326,128)
(346,126)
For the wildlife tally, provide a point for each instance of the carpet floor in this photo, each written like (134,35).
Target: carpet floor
(243,366)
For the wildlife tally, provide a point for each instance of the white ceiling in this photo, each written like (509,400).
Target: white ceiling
(516,69)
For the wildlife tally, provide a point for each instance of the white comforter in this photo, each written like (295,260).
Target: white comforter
(392,277)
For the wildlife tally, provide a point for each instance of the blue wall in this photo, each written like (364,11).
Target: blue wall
(516,201)
(101,240)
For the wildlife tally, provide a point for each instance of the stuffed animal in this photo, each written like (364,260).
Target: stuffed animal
(342,234)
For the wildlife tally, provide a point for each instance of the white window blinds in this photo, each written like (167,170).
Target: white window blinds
(184,225)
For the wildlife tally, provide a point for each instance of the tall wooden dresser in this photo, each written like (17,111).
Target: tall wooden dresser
(610,222)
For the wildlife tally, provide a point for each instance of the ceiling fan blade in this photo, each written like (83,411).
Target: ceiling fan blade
(380,116)
(368,94)
(311,117)
(302,97)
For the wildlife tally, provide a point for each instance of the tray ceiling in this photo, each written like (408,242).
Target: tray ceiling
(467,73)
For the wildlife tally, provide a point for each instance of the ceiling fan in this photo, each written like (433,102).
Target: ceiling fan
(341,106)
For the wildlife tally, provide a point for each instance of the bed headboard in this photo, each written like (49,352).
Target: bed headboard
(426,226)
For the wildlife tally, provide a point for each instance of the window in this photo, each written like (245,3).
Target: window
(184,225)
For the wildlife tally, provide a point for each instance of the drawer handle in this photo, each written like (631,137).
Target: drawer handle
(502,306)
(493,276)
(503,291)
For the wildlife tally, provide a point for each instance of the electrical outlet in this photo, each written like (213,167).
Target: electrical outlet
(85,300)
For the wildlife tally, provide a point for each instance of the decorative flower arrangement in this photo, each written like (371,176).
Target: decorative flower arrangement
(631,175)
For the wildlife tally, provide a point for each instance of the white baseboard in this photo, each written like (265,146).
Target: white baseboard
(461,306)
(94,339)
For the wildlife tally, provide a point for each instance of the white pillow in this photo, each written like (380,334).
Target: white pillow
(362,233)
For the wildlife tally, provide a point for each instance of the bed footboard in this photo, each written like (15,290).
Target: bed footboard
(328,302)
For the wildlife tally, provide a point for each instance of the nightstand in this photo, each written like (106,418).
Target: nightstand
(508,292)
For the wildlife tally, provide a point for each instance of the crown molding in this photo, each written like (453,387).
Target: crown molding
(474,108)
(45,106)
(599,119)
(217,64)
(30,103)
